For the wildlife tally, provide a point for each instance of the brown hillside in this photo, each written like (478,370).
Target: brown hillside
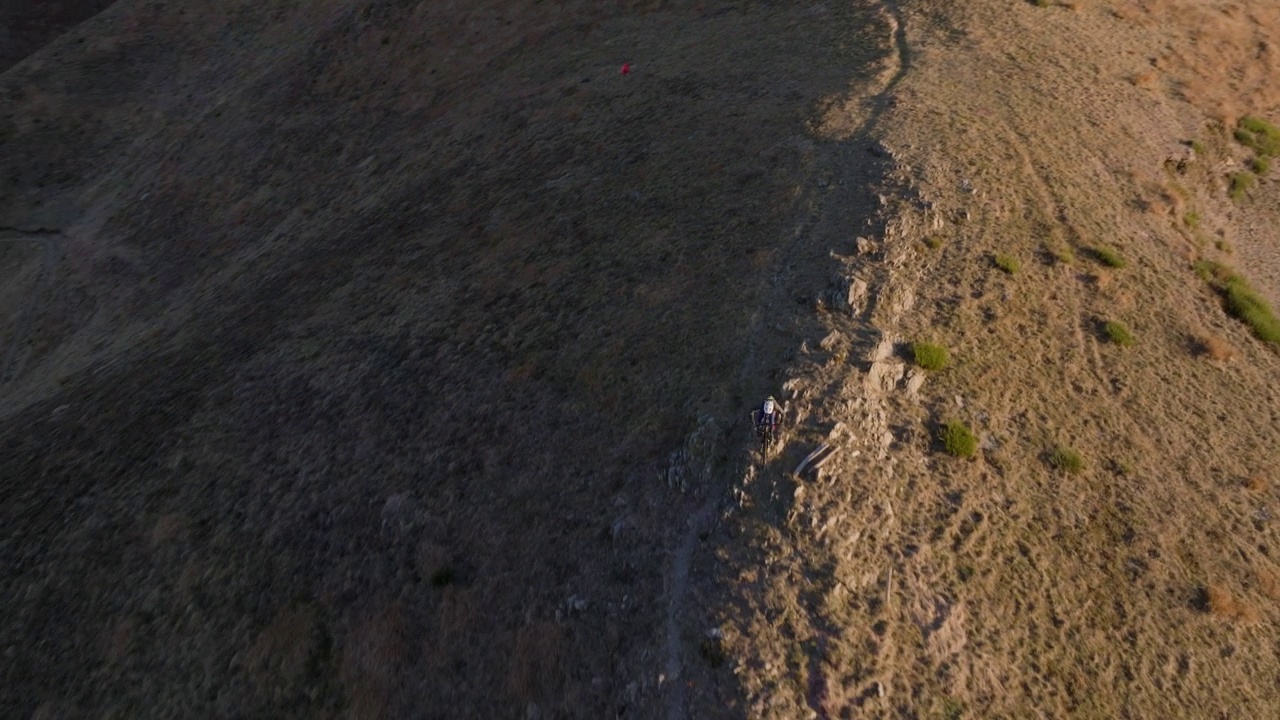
(391,359)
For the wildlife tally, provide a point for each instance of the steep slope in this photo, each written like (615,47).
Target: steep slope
(351,383)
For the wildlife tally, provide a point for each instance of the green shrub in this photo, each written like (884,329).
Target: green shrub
(930,356)
(1061,253)
(1261,165)
(1260,135)
(1246,304)
(1067,460)
(1008,263)
(1242,300)
(1240,184)
(1197,147)
(1191,219)
(933,242)
(1109,257)
(958,439)
(1118,333)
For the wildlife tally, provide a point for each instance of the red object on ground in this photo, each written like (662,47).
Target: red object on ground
(626,68)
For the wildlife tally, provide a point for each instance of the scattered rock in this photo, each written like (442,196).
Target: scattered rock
(883,351)
(915,379)
(856,296)
(885,376)
(865,245)
(833,340)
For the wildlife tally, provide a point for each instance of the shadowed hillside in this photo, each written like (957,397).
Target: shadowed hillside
(348,345)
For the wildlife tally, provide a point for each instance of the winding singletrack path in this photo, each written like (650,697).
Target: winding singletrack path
(699,521)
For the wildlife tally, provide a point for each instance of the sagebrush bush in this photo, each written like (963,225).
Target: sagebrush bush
(1242,301)
(1109,257)
(958,439)
(1249,306)
(1067,460)
(1008,263)
(1241,182)
(1118,333)
(930,356)
(1259,135)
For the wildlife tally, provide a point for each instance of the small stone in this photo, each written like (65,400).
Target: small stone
(857,293)
(915,379)
(885,375)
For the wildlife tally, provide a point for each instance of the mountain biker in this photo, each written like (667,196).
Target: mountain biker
(767,417)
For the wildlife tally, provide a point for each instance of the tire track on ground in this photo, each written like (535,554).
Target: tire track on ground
(49,241)
(699,521)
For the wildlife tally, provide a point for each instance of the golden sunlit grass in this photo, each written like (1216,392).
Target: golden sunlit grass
(1221,602)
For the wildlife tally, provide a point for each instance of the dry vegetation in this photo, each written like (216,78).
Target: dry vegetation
(389,360)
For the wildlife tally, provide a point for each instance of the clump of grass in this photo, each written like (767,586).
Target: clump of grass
(1117,333)
(1197,147)
(1259,135)
(958,439)
(1223,246)
(953,709)
(1067,460)
(1261,165)
(1191,219)
(1109,257)
(1249,306)
(1243,302)
(1241,182)
(930,356)
(1008,263)
(933,242)
(1061,253)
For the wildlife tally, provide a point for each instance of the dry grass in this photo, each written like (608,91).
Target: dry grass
(1222,603)
(1215,348)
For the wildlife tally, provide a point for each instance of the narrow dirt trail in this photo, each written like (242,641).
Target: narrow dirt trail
(49,249)
(700,520)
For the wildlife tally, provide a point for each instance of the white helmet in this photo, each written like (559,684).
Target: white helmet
(769,405)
